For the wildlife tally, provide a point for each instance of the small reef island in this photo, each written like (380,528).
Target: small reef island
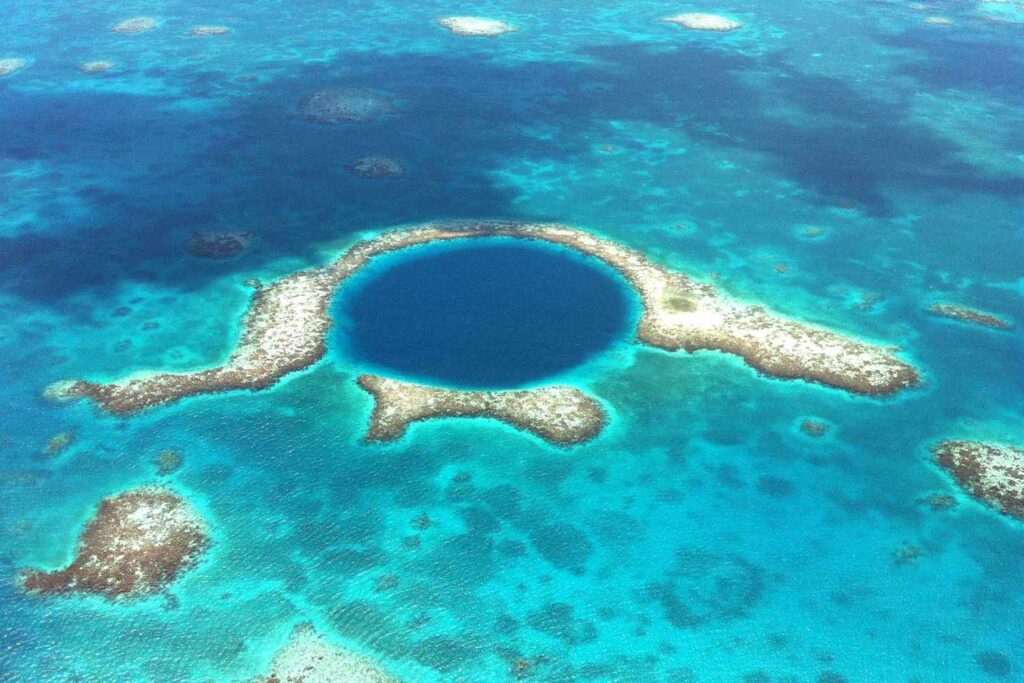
(136,545)
(286,325)
(476,26)
(560,414)
(992,473)
(309,658)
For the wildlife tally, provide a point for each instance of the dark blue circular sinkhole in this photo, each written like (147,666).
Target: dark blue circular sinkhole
(491,312)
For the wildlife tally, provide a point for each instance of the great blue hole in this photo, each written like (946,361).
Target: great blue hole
(482,313)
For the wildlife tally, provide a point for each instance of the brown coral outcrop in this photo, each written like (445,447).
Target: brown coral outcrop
(559,414)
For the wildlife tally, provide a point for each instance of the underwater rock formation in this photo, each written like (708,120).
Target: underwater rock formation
(218,245)
(992,473)
(58,443)
(138,542)
(285,328)
(475,26)
(167,462)
(559,414)
(11,64)
(702,21)
(376,167)
(969,315)
(96,67)
(208,31)
(813,428)
(344,105)
(134,25)
(309,658)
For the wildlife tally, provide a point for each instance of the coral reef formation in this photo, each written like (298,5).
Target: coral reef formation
(344,105)
(285,328)
(167,462)
(309,658)
(208,31)
(138,542)
(559,414)
(218,245)
(475,26)
(95,67)
(992,473)
(813,428)
(702,21)
(134,25)
(11,64)
(376,167)
(58,443)
(969,315)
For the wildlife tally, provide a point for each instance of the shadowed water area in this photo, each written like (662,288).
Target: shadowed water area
(498,314)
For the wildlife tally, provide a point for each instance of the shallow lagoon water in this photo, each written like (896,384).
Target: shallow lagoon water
(707,152)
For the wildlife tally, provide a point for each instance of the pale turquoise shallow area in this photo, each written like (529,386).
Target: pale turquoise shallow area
(702,537)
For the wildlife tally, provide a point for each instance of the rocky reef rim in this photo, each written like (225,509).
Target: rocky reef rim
(285,328)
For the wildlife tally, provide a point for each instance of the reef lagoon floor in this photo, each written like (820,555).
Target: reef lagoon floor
(744,405)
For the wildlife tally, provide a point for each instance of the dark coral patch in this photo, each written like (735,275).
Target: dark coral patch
(344,105)
(705,588)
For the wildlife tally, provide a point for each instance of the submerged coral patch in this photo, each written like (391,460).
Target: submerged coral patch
(218,245)
(702,21)
(345,105)
(200,31)
(11,64)
(476,26)
(969,315)
(376,167)
(137,543)
(704,587)
(134,25)
(308,657)
(95,67)
(992,473)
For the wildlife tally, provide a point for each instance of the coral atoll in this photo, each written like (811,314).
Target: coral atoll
(285,328)
(559,414)
(702,21)
(138,542)
(344,105)
(309,658)
(475,26)
(992,473)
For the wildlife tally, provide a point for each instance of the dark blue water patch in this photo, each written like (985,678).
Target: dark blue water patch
(495,313)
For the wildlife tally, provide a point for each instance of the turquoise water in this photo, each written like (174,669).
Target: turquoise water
(702,536)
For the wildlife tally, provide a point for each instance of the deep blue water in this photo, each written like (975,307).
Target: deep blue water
(498,314)
(702,537)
